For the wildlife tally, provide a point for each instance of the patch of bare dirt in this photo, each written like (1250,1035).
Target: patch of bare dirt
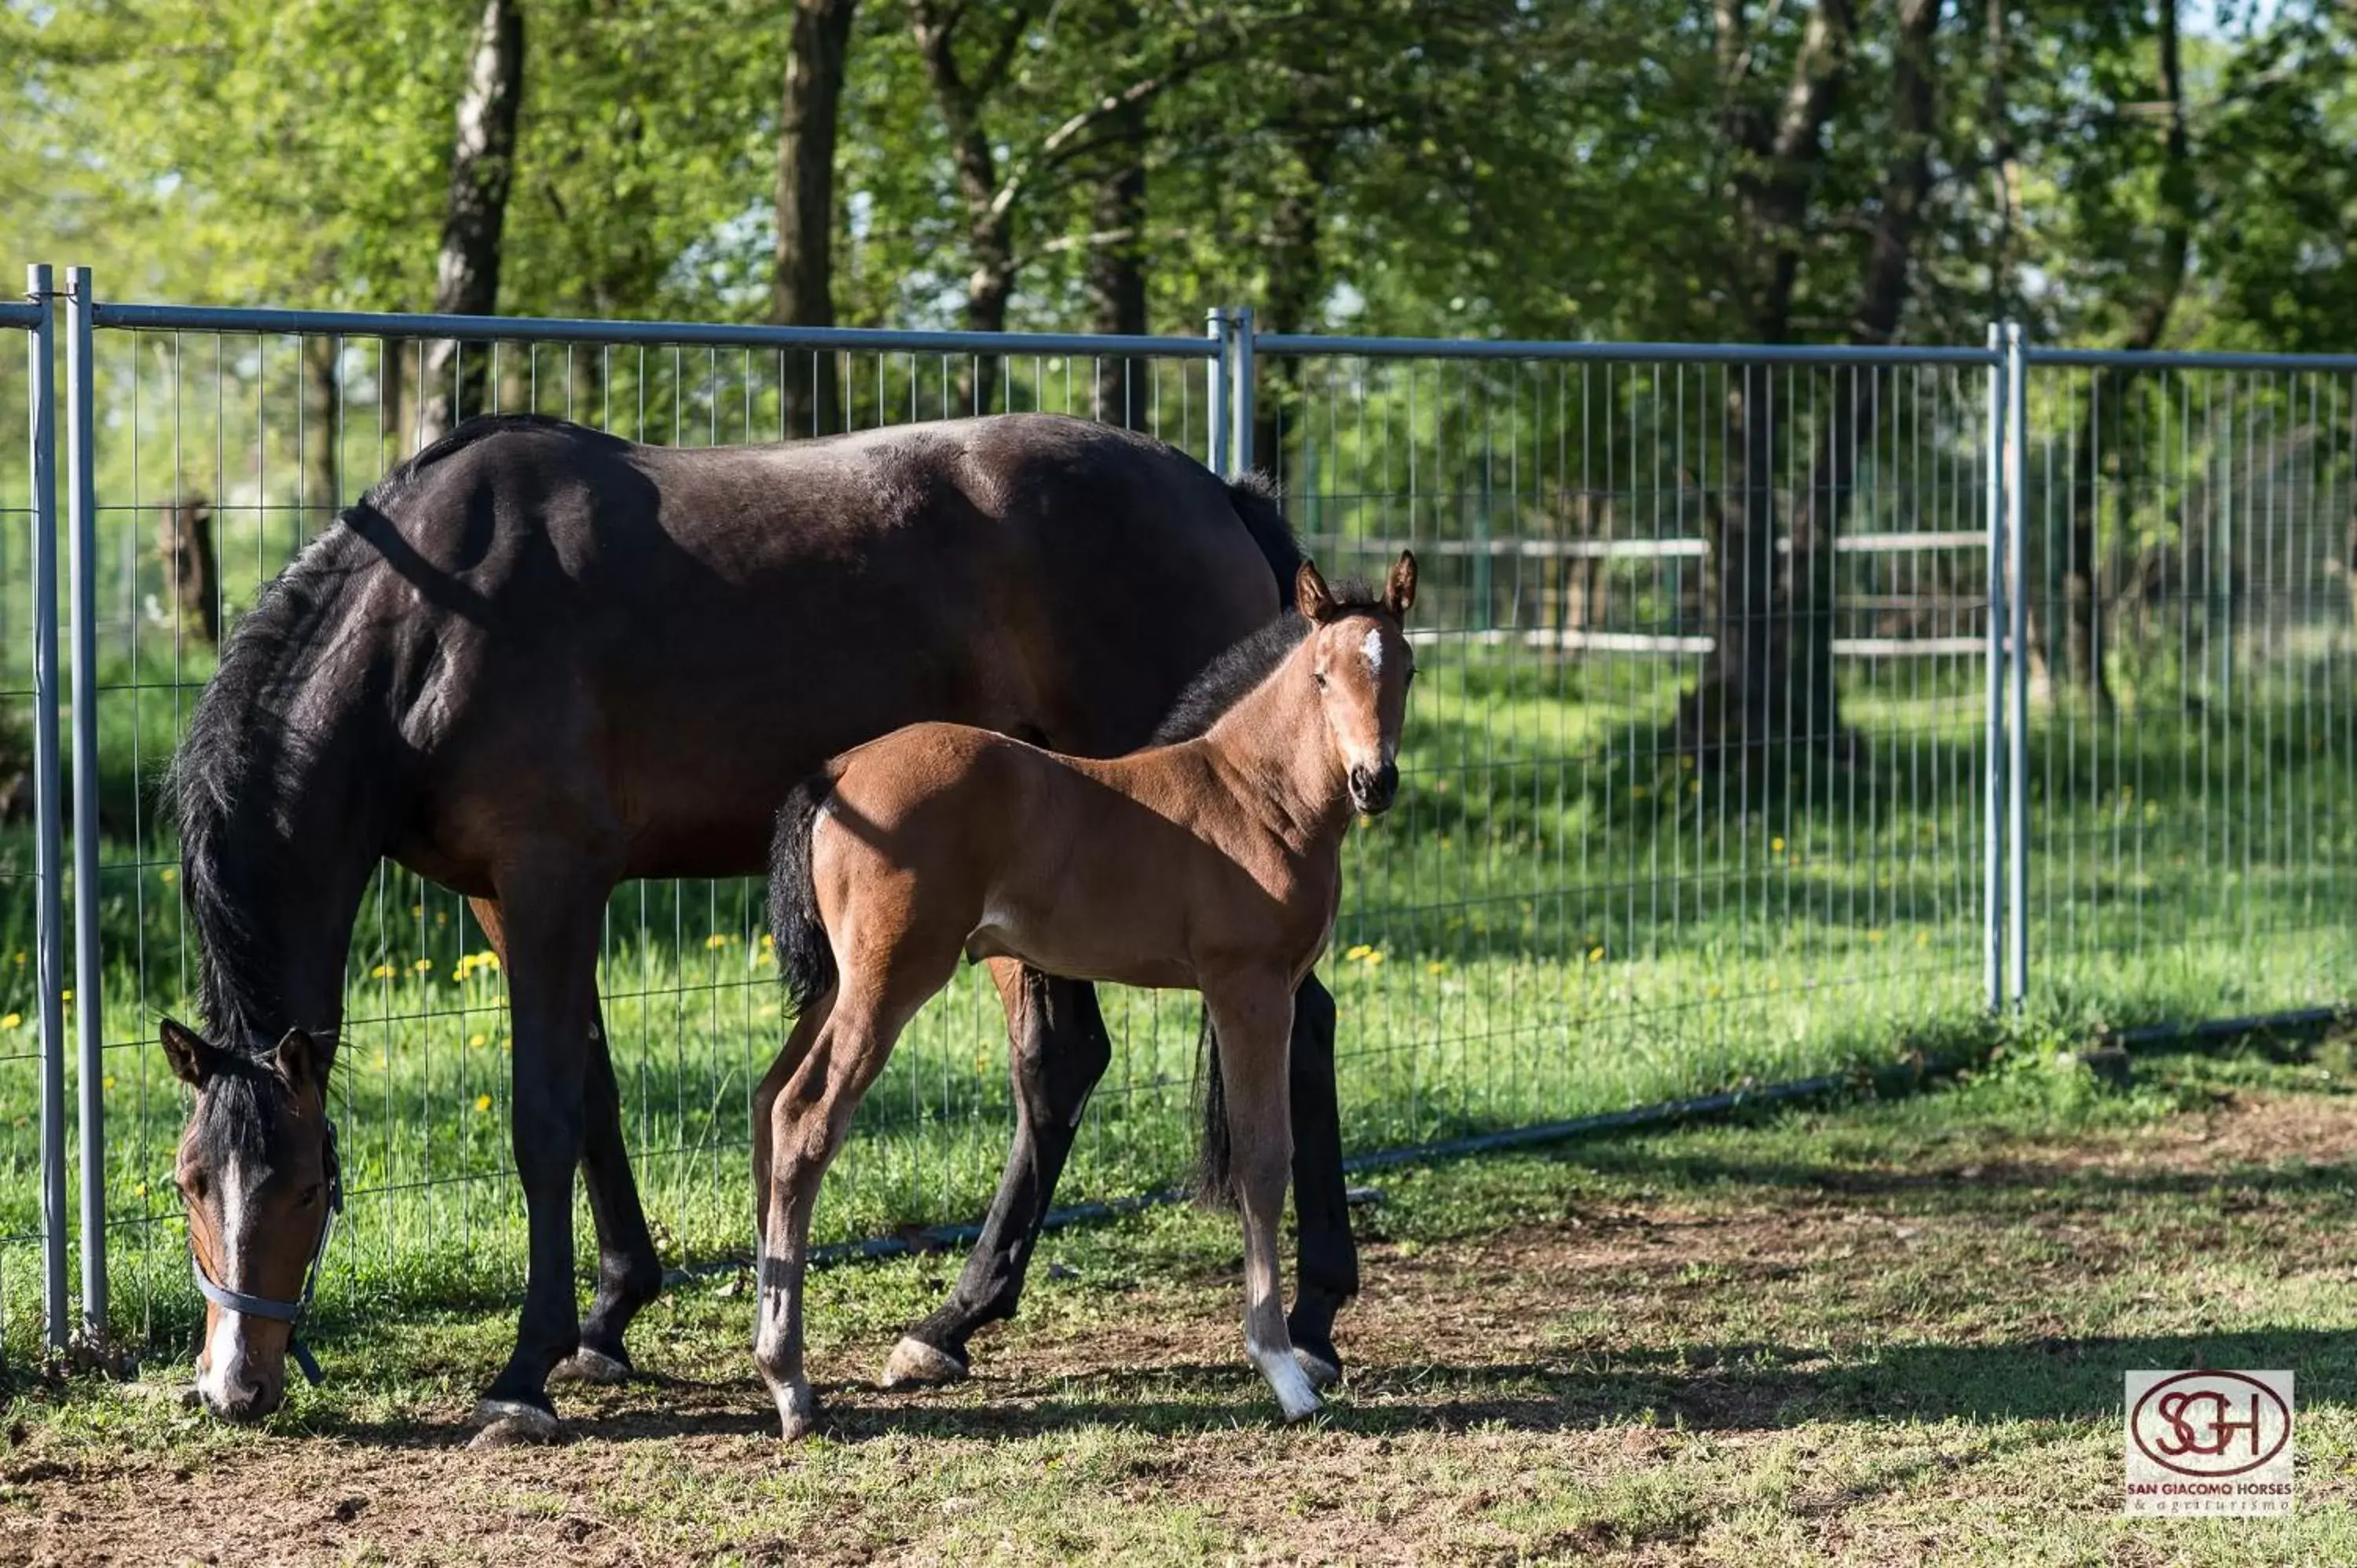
(1483,1375)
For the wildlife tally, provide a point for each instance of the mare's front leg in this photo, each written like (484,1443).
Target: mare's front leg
(630,1271)
(1058,1050)
(552,910)
(1330,1258)
(1253,1014)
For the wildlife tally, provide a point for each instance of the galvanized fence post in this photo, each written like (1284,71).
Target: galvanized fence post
(2016,488)
(49,840)
(1223,446)
(1240,390)
(1996,772)
(88,1018)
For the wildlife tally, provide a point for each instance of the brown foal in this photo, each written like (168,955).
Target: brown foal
(1214,865)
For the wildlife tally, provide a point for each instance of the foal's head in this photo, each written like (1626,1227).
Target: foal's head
(1362,666)
(257,1168)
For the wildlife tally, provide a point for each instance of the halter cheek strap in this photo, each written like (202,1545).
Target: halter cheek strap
(271,1307)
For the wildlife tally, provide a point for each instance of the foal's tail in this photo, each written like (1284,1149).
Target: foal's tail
(1215,1179)
(805,957)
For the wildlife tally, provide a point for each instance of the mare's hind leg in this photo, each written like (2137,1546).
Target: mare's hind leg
(1059,1050)
(1252,1014)
(808,1118)
(1329,1259)
(630,1272)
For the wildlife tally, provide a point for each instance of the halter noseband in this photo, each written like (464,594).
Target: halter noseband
(287,1312)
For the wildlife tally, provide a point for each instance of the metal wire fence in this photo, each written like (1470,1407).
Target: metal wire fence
(1717,773)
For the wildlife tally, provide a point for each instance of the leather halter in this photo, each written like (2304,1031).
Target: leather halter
(287,1312)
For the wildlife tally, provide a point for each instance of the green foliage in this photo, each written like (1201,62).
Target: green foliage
(1478,166)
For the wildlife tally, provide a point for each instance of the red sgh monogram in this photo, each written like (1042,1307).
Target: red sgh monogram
(2210,1423)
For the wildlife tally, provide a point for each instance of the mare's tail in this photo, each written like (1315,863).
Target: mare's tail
(1215,1178)
(1256,499)
(805,957)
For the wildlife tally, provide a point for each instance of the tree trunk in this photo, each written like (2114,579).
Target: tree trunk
(183,538)
(1296,282)
(1123,390)
(990,231)
(482,166)
(802,283)
(2083,611)
(323,419)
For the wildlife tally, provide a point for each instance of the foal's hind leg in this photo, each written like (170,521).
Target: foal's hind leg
(1059,1050)
(808,1118)
(1252,1014)
(630,1272)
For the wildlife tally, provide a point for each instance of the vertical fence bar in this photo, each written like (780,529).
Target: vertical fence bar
(48,841)
(1994,784)
(1240,389)
(1223,434)
(81,504)
(2016,843)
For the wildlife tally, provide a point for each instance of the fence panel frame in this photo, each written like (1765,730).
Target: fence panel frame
(1231,344)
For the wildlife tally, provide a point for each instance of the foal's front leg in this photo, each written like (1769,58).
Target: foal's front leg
(1253,1014)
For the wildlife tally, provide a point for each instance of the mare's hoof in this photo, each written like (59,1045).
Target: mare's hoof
(917,1364)
(587,1365)
(1322,1372)
(507,1422)
(797,1411)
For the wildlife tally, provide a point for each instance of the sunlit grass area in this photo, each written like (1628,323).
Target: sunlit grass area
(1568,913)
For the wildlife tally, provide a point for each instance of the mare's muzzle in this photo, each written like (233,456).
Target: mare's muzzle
(289,1312)
(1374,788)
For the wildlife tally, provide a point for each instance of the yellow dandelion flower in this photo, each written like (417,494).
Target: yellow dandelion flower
(1775,846)
(12,1021)
(20,958)
(423,966)
(482,1102)
(108,1081)
(168,874)
(1374,958)
(66,996)
(382,972)
(768,941)
(1596,955)
(1357,952)
(476,1042)
(417,911)
(1436,967)
(716,941)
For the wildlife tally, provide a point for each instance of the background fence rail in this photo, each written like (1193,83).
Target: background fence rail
(1721,774)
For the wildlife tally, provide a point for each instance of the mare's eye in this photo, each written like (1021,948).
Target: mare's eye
(310,1196)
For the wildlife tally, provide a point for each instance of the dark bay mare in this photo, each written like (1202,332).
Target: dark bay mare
(1214,864)
(537,661)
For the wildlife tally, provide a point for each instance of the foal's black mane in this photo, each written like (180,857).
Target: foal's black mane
(1245,664)
(242,757)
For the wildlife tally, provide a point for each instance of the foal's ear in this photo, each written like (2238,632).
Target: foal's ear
(1399,593)
(303,1061)
(1310,592)
(193,1057)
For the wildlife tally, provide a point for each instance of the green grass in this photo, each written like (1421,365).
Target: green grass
(1564,915)
(1879,1332)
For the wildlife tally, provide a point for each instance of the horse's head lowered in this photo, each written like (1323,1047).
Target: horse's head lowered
(258,1169)
(1363,665)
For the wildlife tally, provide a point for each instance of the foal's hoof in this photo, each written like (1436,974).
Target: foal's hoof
(917,1364)
(507,1422)
(587,1365)
(1322,1372)
(797,1411)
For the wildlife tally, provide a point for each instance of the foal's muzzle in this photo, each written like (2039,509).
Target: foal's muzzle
(1372,789)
